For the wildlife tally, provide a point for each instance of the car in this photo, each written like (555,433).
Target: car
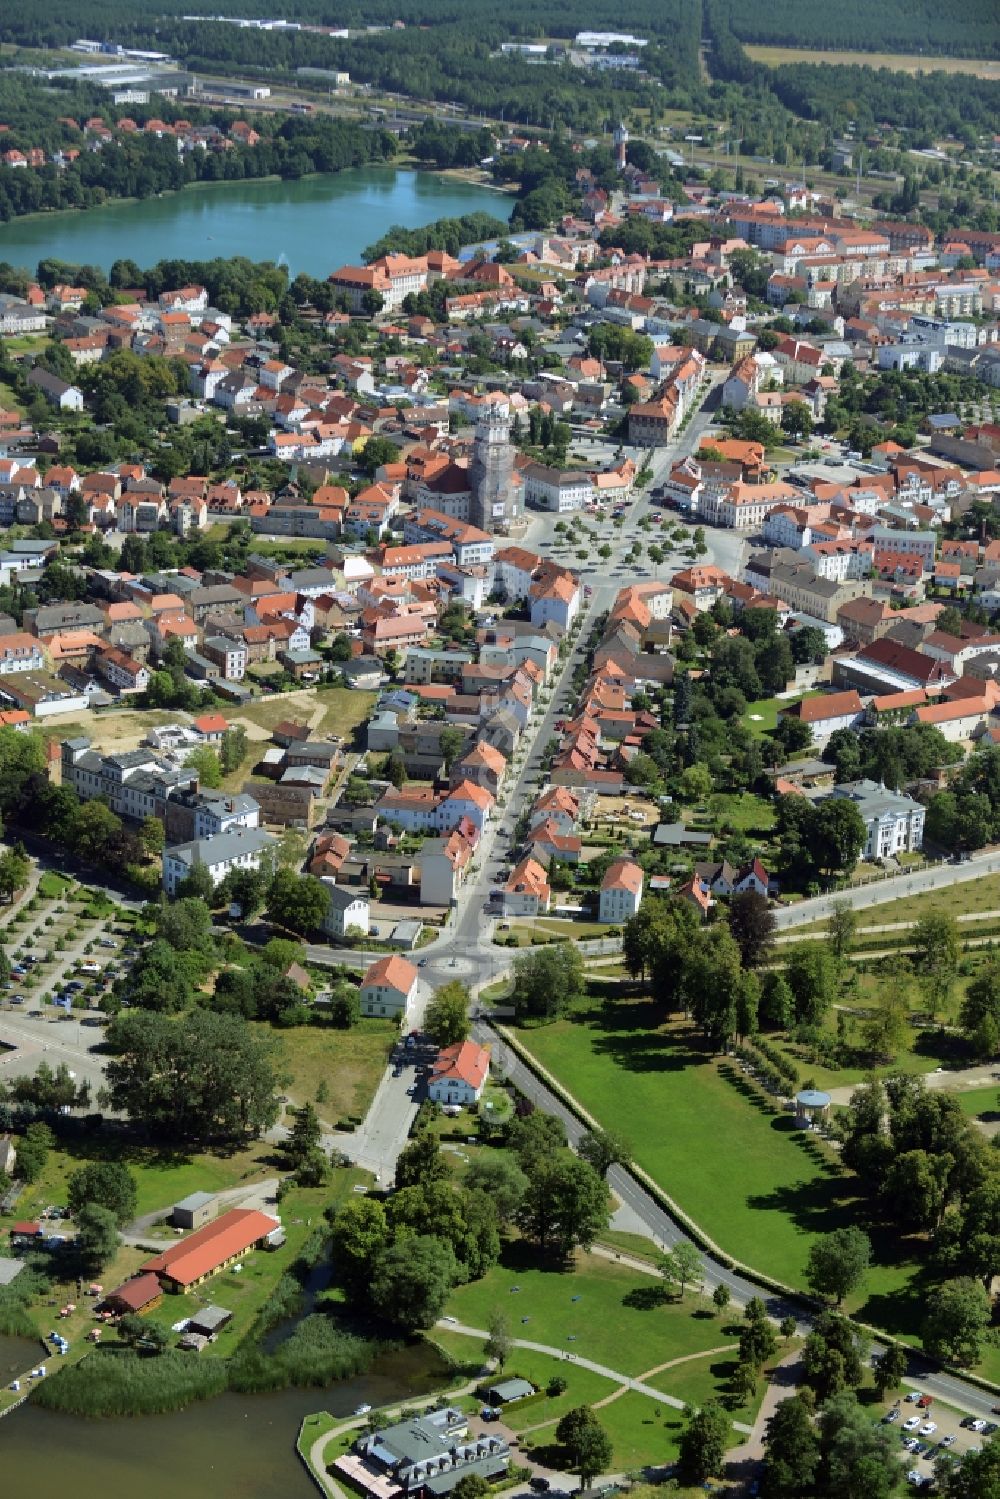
(919,1449)
(911,1396)
(911,1444)
(911,1423)
(17,999)
(917,1479)
(928,1429)
(966,1422)
(891,1416)
(979,1426)
(989,1428)
(539,1484)
(948,1440)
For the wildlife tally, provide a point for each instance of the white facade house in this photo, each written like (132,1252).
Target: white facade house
(241,849)
(560,490)
(621,891)
(389,988)
(894,823)
(459,1074)
(347,912)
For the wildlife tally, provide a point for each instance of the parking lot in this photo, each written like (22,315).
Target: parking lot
(66,945)
(933,1431)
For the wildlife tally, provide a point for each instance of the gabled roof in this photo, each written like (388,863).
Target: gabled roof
(393,972)
(465,1062)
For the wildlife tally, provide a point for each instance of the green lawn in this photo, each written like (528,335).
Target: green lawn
(965,897)
(979,1102)
(613,1322)
(744,812)
(162,1176)
(350,1064)
(762,1190)
(709,1378)
(761,717)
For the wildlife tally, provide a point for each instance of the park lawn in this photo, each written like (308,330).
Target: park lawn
(709,1378)
(349,1062)
(345,709)
(979,1103)
(614,1321)
(53,886)
(760,1189)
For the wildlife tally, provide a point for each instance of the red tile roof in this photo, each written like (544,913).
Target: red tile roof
(209,1247)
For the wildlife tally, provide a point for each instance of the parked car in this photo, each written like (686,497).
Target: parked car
(911,1423)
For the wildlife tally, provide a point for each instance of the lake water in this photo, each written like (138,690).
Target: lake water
(313,225)
(233,1447)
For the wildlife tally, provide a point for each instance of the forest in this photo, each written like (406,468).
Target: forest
(966,29)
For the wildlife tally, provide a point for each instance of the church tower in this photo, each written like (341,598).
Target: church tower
(494,498)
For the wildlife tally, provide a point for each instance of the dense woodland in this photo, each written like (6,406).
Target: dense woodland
(966,29)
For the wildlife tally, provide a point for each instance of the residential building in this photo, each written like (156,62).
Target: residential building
(894,823)
(621,892)
(389,988)
(459,1074)
(348,911)
(242,848)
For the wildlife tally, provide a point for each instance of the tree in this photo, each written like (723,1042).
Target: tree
(603,1149)
(358,1234)
(936,953)
(841,927)
(234,748)
(752,924)
(838,1261)
(791,1451)
(702,1448)
(297,902)
(152,835)
(683,1265)
(812,979)
(15,868)
(796,419)
(547,979)
(32,1151)
(305,1140)
(451,741)
(809,644)
(587,1445)
(420,1163)
(205,762)
(721,1297)
(498,1344)
(757,1339)
(888,1369)
(860,1460)
(471,1486)
(956,1321)
(838,834)
(209,1079)
(411,1280)
(446,1019)
(566,1204)
(831,1357)
(108,1183)
(96,1241)
(497,1176)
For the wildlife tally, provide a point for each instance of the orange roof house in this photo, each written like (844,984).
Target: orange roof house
(459,1074)
(185,1265)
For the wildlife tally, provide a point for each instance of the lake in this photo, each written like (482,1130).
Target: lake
(233,1447)
(313,225)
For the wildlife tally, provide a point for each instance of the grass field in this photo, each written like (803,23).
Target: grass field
(761,717)
(980,1103)
(162,1176)
(350,1063)
(613,1320)
(900,62)
(759,1188)
(743,812)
